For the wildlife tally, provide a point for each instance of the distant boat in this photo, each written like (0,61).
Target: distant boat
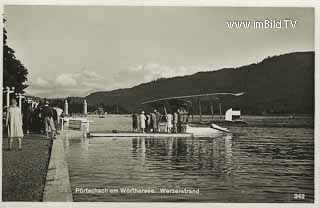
(101,112)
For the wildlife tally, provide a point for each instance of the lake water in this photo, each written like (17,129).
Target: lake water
(252,164)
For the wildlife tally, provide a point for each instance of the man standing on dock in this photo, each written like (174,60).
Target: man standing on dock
(142,119)
(135,122)
(153,122)
(47,113)
(158,118)
(179,122)
(175,122)
(148,121)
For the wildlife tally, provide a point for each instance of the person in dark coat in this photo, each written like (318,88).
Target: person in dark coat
(153,122)
(38,124)
(47,113)
(158,118)
(179,123)
(135,122)
(27,118)
(148,120)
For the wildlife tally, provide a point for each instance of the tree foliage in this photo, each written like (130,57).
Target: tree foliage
(14,72)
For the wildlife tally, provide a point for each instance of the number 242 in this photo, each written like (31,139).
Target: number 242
(298,196)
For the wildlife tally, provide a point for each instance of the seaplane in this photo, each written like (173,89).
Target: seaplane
(189,127)
(199,128)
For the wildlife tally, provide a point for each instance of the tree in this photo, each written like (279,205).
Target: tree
(14,72)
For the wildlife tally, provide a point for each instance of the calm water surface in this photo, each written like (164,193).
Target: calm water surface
(250,165)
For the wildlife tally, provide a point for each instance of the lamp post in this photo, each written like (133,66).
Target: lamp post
(30,101)
(9,91)
(85,107)
(66,107)
(20,96)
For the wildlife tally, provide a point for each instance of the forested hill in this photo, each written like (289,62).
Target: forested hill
(277,85)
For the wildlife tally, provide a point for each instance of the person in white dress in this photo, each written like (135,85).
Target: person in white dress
(169,124)
(14,124)
(142,119)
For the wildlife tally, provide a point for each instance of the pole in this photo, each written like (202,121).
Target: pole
(85,107)
(8,91)
(20,101)
(211,107)
(8,97)
(220,110)
(66,110)
(165,110)
(20,96)
(200,111)
(192,108)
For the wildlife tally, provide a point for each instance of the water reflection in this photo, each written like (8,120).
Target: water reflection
(251,165)
(214,155)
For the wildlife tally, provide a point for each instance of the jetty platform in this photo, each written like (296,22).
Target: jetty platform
(135,134)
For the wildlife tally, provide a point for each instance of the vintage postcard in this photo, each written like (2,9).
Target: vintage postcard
(188,104)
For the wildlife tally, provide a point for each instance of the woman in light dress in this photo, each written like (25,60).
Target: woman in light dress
(142,121)
(169,124)
(14,124)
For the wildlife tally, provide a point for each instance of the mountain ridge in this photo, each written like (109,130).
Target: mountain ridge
(293,76)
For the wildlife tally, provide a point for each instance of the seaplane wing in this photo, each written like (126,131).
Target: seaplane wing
(219,94)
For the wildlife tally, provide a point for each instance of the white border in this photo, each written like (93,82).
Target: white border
(187,3)
(190,3)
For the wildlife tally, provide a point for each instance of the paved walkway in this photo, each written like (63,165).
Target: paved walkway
(57,188)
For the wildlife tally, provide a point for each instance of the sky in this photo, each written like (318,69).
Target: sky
(77,50)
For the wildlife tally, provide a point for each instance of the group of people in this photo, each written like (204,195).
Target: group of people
(40,118)
(150,122)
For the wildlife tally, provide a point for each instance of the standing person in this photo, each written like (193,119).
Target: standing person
(38,123)
(158,118)
(47,113)
(36,120)
(148,121)
(14,124)
(55,118)
(27,118)
(57,122)
(142,119)
(179,123)
(169,122)
(175,122)
(153,122)
(135,122)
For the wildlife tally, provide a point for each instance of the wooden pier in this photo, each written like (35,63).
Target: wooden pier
(157,135)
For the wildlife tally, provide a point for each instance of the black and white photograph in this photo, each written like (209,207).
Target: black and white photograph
(147,103)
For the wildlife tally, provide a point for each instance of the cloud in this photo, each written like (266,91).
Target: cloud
(67,84)
(66,80)
(42,82)
(154,71)
(86,81)
(145,73)
(91,75)
(94,85)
